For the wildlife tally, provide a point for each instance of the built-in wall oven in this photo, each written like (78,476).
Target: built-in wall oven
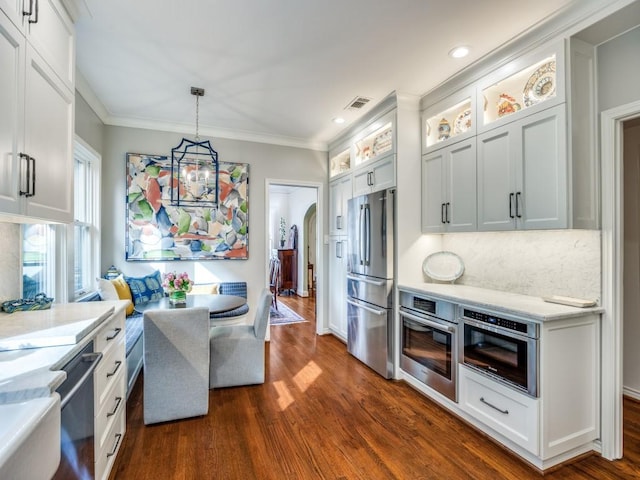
(429,342)
(502,347)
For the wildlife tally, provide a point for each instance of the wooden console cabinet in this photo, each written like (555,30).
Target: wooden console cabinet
(288,269)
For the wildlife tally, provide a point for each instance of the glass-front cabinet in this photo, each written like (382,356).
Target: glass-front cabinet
(449,121)
(375,141)
(522,87)
(340,162)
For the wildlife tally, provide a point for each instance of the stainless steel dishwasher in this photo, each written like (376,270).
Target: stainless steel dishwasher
(77,457)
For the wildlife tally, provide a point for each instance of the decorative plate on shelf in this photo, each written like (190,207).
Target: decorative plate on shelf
(541,85)
(443,266)
(462,122)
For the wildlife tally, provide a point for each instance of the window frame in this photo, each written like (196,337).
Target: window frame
(84,153)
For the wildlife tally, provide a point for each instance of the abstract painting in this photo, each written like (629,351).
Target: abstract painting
(157,231)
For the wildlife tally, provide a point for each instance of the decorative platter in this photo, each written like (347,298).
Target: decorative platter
(462,122)
(541,85)
(443,266)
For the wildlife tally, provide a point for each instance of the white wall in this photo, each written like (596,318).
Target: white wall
(266,161)
(300,201)
(10,280)
(619,70)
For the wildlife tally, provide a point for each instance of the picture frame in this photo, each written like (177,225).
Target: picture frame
(156,230)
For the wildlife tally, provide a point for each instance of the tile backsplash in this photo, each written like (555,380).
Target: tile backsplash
(538,263)
(10,280)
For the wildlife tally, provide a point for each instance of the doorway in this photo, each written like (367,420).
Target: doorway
(616,158)
(293,210)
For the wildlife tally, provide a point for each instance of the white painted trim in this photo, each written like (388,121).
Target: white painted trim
(320,272)
(612,276)
(631,393)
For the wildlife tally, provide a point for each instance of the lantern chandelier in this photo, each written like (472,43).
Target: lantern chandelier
(194,166)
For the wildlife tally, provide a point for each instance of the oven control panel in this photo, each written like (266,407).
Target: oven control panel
(496,321)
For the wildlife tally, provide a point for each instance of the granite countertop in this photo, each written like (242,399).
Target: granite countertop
(529,307)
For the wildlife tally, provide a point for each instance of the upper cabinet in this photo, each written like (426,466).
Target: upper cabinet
(36,135)
(522,87)
(532,168)
(367,152)
(376,141)
(340,162)
(449,121)
(522,174)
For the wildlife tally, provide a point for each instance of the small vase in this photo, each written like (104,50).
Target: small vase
(179,297)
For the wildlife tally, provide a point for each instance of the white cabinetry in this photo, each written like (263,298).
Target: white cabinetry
(110,385)
(535,169)
(506,411)
(522,173)
(338,286)
(36,134)
(375,167)
(449,189)
(565,418)
(378,175)
(339,195)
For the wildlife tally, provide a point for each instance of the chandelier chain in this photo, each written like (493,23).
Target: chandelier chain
(197,117)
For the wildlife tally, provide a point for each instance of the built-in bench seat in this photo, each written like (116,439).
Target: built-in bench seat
(133,327)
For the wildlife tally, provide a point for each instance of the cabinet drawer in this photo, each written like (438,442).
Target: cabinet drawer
(110,334)
(106,456)
(114,404)
(506,411)
(108,372)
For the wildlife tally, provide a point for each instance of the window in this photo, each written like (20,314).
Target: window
(38,260)
(86,226)
(45,258)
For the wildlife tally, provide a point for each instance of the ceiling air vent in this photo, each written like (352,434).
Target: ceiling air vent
(357,102)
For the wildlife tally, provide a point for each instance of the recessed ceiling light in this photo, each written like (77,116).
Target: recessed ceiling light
(459,52)
(338,120)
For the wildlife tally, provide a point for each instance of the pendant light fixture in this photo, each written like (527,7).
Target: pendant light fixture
(194,168)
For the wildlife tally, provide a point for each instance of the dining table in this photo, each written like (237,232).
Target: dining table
(216,303)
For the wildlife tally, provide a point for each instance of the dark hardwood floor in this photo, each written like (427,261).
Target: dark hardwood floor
(321,414)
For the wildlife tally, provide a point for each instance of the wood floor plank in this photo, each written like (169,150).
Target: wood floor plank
(322,414)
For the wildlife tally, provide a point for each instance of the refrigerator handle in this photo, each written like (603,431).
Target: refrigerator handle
(368,309)
(377,283)
(367,221)
(361,236)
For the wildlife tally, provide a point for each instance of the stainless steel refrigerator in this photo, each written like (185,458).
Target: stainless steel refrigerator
(370,267)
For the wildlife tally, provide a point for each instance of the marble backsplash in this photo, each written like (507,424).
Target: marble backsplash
(538,263)
(10,281)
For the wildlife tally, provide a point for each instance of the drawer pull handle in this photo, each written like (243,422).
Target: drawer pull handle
(115,447)
(115,409)
(115,333)
(111,374)
(506,412)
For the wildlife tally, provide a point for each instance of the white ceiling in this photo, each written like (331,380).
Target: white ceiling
(279,70)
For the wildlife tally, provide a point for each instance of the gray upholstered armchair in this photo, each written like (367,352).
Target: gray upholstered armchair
(237,351)
(176,364)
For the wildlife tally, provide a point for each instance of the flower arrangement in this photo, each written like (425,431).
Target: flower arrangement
(177,281)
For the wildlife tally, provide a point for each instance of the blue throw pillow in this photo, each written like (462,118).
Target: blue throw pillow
(146,289)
